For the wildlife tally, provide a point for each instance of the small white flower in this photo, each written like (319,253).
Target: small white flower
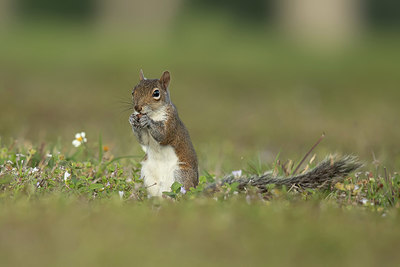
(183,190)
(129,180)
(76,143)
(356,187)
(121,194)
(83,135)
(237,174)
(49,155)
(66,175)
(35,170)
(364,201)
(79,139)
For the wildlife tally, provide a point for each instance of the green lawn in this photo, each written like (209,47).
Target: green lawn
(57,232)
(98,214)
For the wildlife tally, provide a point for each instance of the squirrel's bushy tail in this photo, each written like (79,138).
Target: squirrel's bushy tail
(327,172)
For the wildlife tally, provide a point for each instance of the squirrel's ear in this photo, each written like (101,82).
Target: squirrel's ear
(141,75)
(165,78)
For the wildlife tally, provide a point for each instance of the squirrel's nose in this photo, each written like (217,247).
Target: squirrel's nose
(137,108)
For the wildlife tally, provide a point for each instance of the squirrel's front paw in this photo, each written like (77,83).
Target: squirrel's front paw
(144,121)
(134,121)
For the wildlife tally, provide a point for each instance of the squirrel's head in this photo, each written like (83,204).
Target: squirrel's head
(149,95)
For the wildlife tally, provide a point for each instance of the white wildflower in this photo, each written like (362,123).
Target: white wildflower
(34,170)
(237,174)
(80,138)
(183,190)
(49,155)
(121,194)
(129,180)
(66,175)
(76,143)
(364,201)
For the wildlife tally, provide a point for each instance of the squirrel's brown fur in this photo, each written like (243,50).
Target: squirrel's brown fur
(157,125)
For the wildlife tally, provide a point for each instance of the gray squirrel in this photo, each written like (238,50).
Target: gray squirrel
(170,156)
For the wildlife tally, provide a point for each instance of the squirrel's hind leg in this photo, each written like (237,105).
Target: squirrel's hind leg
(187,177)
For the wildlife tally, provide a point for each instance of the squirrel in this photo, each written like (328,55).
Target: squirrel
(170,156)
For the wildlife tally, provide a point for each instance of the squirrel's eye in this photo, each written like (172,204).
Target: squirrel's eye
(156,94)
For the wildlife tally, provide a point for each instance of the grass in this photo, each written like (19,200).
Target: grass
(56,232)
(98,214)
(93,173)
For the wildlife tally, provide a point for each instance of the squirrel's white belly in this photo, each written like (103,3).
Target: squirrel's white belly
(159,169)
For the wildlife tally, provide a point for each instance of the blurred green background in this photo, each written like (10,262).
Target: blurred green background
(250,78)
